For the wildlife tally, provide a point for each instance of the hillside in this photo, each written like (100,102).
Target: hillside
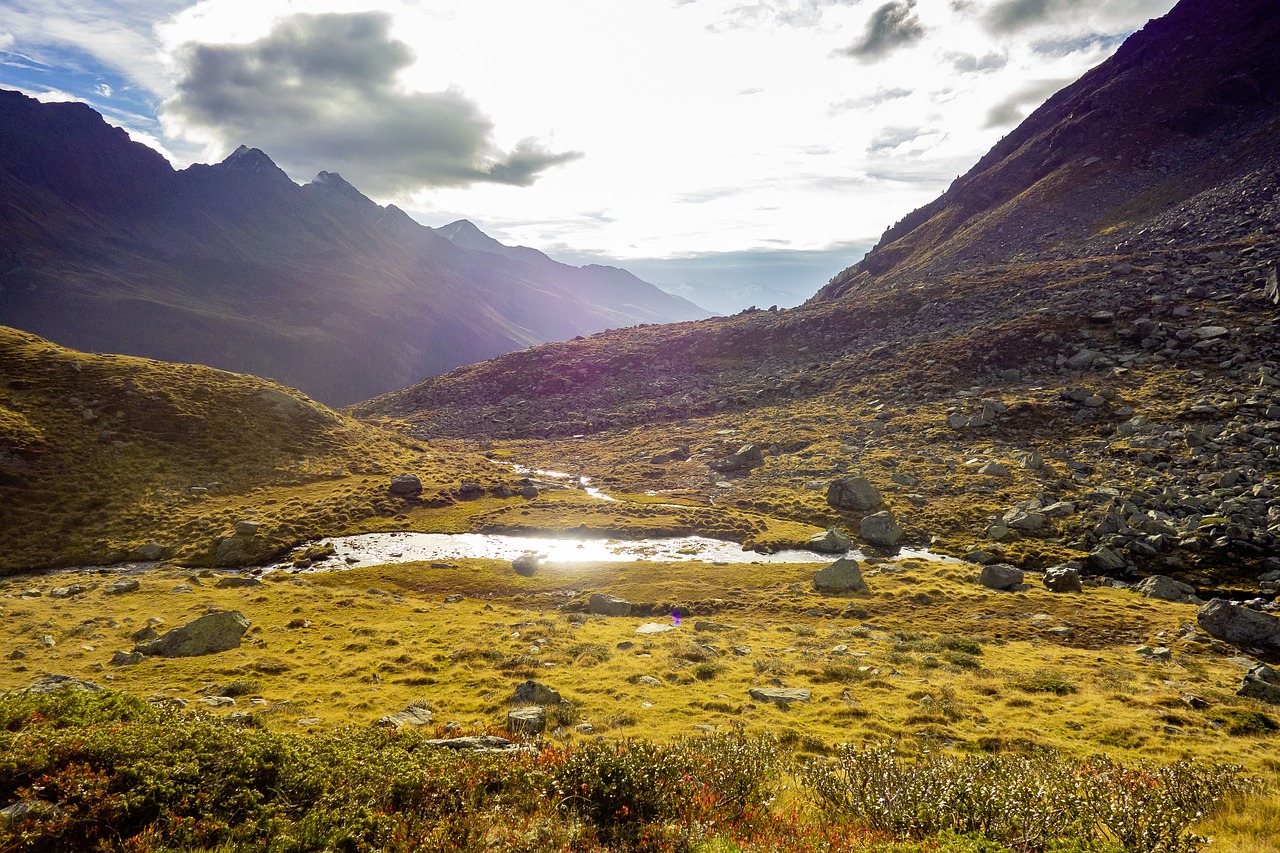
(233,265)
(1128,372)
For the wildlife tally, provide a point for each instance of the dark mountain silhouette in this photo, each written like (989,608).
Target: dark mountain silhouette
(107,248)
(1188,103)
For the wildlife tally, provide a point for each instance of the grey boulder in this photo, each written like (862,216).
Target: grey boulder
(534,693)
(1166,588)
(881,529)
(844,575)
(781,695)
(1063,579)
(1001,576)
(214,632)
(1261,683)
(602,604)
(854,492)
(832,541)
(1238,625)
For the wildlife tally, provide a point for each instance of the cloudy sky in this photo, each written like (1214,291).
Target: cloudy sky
(764,142)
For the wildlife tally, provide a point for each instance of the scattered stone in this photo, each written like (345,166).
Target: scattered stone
(1166,589)
(231,551)
(711,626)
(217,701)
(68,591)
(126,658)
(781,695)
(1062,632)
(18,812)
(833,541)
(1261,683)
(1103,559)
(854,492)
(648,681)
(237,582)
(1238,625)
(531,720)
(655,628)
(745,458)
(150,552)
(1193,701)
(309,721)
(602,604)
(122,586)
(526,565)
(473,743)
(1030,521)
(844,575)
(247,528)
(529,491)
(215,632)
(406,486)
(1160,653)
(534,693)
(881,529)
(53,683)
(1000,576)
(414,715)
(453,598)
(994,469)
(679,454)
(299,623)
(1063,579)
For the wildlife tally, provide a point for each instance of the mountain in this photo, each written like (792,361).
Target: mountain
(1186,105)
(1070,355)
(730,300)
(108,248)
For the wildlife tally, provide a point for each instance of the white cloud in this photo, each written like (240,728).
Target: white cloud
(716,125)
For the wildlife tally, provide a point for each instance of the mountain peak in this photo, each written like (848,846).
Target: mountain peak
(255,160)
(465,234)
(334,187)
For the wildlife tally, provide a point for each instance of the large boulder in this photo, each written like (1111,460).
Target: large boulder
(405,486)
(881,529)
(832,541)
(854,492)
(214,632)
(533,693)
(844,575)
(781,695)
(530,721)
(745,458)
(601,604)
(1166,588)
(414,715)
(1001,576)
(1063,579)
(526,565)
(1238,625)
(1261,683)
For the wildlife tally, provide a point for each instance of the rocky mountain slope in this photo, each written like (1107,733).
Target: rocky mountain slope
(1102,330)
(107,248)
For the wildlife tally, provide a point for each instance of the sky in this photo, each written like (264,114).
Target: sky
(724,142)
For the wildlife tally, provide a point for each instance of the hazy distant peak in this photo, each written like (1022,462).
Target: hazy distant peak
(335,185)
(255,160)
(465,234)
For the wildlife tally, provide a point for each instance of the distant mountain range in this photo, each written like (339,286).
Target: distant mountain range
(105,247)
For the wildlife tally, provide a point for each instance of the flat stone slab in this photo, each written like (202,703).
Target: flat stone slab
(781,695)
(655,628)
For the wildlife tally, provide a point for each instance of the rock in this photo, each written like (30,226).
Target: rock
(1022,519)
(15,814)
(533,693)
(126,658)
(994,469)
(247,528)
(526,565)
(1103,559)
(781,695)
(881,529)
(1000,576)
(1063,579)
(414,715)
(453,598)
(149,552)
(1062,632)
(1238,625)
(844,575)
(711,626)
(529,491)
(602,604)
(648,681)
(299,623)
(405,486)
(679,454)
(1166,589)
(474,743)
(237,582)
(654,628)
(1261,683)
(215,632)
(47,684)
(833,541)
(231,551)
(1194,701)
(745,458)
(217,701)
(854,492)
(1160,653)
(122,586)
(68,591)
(531,720)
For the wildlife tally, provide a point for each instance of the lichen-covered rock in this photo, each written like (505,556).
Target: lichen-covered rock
(1166,589)
(1238,625)
(1000,576)
(602,604)
(844,575)
(1063,579)
(832,541)
(1261,683)
(881,529)
(212,633)
(854,492)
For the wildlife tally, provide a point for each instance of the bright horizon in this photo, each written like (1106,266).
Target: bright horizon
(706,140)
